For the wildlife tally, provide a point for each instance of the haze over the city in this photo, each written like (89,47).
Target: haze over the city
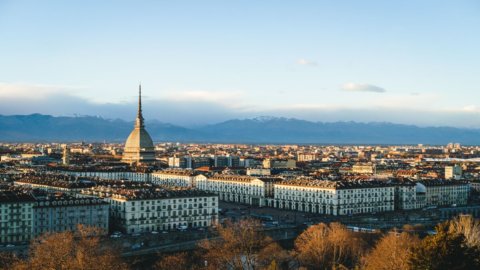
(411,62)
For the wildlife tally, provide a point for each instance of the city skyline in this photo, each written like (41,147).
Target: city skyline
(202,63)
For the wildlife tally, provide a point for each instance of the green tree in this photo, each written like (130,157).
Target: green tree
(446,250)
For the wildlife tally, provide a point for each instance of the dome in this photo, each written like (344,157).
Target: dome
(138,139)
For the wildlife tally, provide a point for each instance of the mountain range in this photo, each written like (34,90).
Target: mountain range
(44,128)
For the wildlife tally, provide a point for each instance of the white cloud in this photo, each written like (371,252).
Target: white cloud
(362,87)
(33,91)
(305,62)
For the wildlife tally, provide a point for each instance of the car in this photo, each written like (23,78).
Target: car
(115,236)
(164,232)
(154,232)
(135,234)
(10,246)
(136,246)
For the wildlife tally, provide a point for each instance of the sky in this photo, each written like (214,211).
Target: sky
(200,62)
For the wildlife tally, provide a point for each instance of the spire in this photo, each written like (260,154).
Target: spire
(139,120)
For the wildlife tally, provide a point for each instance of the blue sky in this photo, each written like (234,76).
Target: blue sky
(414,62)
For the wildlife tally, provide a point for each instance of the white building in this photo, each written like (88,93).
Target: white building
(65,213)
(155,209)
(175,177)
(334,197)
(112,175)
(406,195)
(239,188)
(442,192)
(16,216)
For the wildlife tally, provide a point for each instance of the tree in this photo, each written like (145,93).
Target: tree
(467,226)
(237,247)
(328,246)
(274,257)
(71,250)
(444,250)
(179,261)
(7,259)
(391,252)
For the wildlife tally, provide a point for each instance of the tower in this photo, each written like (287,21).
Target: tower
(66,155)
(139,147)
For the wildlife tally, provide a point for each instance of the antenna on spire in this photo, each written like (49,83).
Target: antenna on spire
(139,121)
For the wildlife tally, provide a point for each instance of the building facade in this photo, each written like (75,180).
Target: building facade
(334,197)
(179,178)
(439,192)
(155,209)
(16,216)
(239,188)
(64,213)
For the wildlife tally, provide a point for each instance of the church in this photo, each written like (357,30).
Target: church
(139,148)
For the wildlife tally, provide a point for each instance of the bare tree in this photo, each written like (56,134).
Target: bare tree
(179,261)
(391,252)
(237,247)
(467,226)
(69,250)
(328,246)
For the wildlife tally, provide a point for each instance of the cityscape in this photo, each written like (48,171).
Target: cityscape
(84,184)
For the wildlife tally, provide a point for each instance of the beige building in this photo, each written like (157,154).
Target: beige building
(453,172)
(363,168)
(270,163)
(305,157)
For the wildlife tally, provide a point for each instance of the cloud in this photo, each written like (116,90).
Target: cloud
(192,107)
(362,87)
(305,62)
(34,91)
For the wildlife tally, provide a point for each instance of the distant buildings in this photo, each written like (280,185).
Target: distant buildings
(270,163)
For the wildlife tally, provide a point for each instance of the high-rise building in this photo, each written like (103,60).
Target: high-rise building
(453,172)
(139,147)
(66,155)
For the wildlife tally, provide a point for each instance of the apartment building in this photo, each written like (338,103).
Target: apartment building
(439,192)
(239,188)
(175,177)
(62,212)
(16,216)
(156,209)
(334,197)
